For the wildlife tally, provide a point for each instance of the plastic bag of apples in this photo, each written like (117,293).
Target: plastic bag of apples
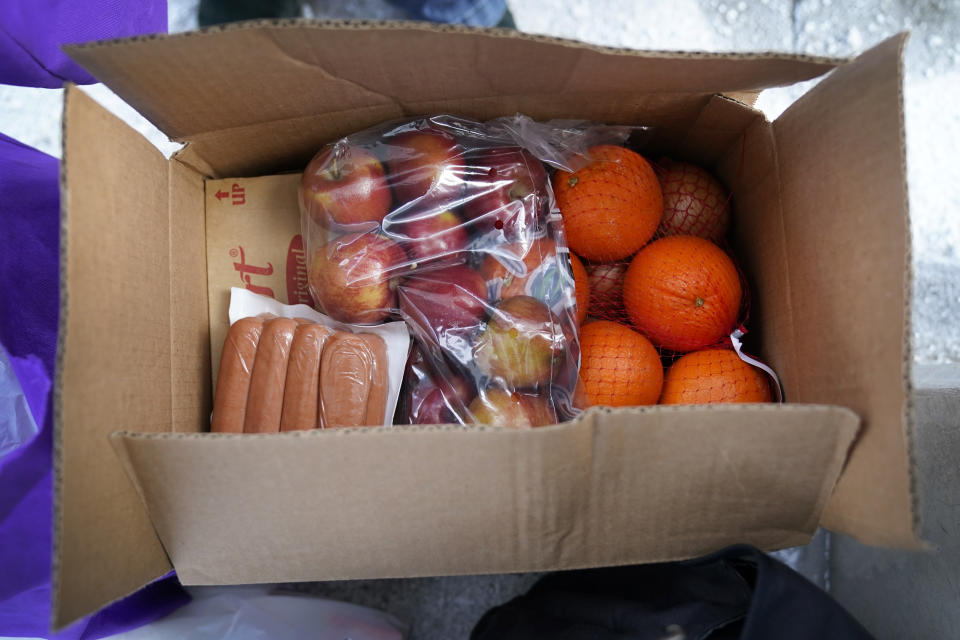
(452,226)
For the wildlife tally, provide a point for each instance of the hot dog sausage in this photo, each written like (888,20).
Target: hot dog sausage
(300,394)
(345,369)
(233,381)
(377,401)
(265,402)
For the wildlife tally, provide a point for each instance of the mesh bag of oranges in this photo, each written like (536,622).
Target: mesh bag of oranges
(665,301)
(451,225)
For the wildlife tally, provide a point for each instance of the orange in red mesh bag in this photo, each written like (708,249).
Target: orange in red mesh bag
(683,292)
(694,202)
(612,206)
(618,366)
(714,375)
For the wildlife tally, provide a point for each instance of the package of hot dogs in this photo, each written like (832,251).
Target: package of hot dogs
(451,226)
(287,367)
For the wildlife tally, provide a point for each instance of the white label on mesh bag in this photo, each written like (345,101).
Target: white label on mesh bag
(738,347)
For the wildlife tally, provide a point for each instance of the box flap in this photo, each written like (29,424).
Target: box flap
(842,171)
(613,487)
(114,356)
(317,80)
(191,393)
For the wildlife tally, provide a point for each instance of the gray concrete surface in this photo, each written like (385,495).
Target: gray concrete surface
(898,594)
(448,608)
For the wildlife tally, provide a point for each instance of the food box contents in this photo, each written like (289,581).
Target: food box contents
(138,356)
(287,367)
(495,242)
(281,374)
(452,226)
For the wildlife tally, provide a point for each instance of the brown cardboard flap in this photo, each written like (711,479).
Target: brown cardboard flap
(228,79)
(114,356)
(188,302)
(613,487)
(749,168)
(842,172)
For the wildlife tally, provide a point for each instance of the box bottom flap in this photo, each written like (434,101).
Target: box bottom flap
(612,487)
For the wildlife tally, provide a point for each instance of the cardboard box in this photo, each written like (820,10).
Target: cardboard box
(821,228)
(253,241)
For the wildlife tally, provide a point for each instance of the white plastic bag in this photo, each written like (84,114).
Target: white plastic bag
(16,422)
(255,613)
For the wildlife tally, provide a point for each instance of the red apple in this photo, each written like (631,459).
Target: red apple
(442,404)
(515,263)
(523,344)
(500,408)
(423,161)
(507,187)
(433,397)
(428,235)
(445,305)
(353,278)
(345,185)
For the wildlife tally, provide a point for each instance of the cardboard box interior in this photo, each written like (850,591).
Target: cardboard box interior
(821,229)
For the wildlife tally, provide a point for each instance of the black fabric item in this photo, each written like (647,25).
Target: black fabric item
(739,593)
(213,12)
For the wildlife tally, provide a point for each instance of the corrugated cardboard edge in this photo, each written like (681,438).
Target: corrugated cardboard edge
(413,25)
(55,622)
(909,409)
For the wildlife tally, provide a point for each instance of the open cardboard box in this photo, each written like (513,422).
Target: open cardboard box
(821,227)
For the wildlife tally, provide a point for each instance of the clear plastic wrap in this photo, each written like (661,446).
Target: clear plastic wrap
(451,225)
(287,368)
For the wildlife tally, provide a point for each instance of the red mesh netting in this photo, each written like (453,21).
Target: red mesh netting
(658,321)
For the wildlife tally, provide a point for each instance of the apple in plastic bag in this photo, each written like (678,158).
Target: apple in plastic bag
(346,185)
(445,306)
(515,264)
(428,235)
(440,403)
(522,345)
(507,187)
(354,277)
(501,408)
(424,161)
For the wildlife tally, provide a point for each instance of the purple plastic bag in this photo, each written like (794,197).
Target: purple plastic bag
(32,32)
(29,280)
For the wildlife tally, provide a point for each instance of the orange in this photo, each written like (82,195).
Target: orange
(694,202)
(612,206)
(582,287)
(683,293)
(714,375)
(618,366)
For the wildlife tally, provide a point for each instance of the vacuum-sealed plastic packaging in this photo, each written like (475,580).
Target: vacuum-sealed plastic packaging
(451,225)
(289,368)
